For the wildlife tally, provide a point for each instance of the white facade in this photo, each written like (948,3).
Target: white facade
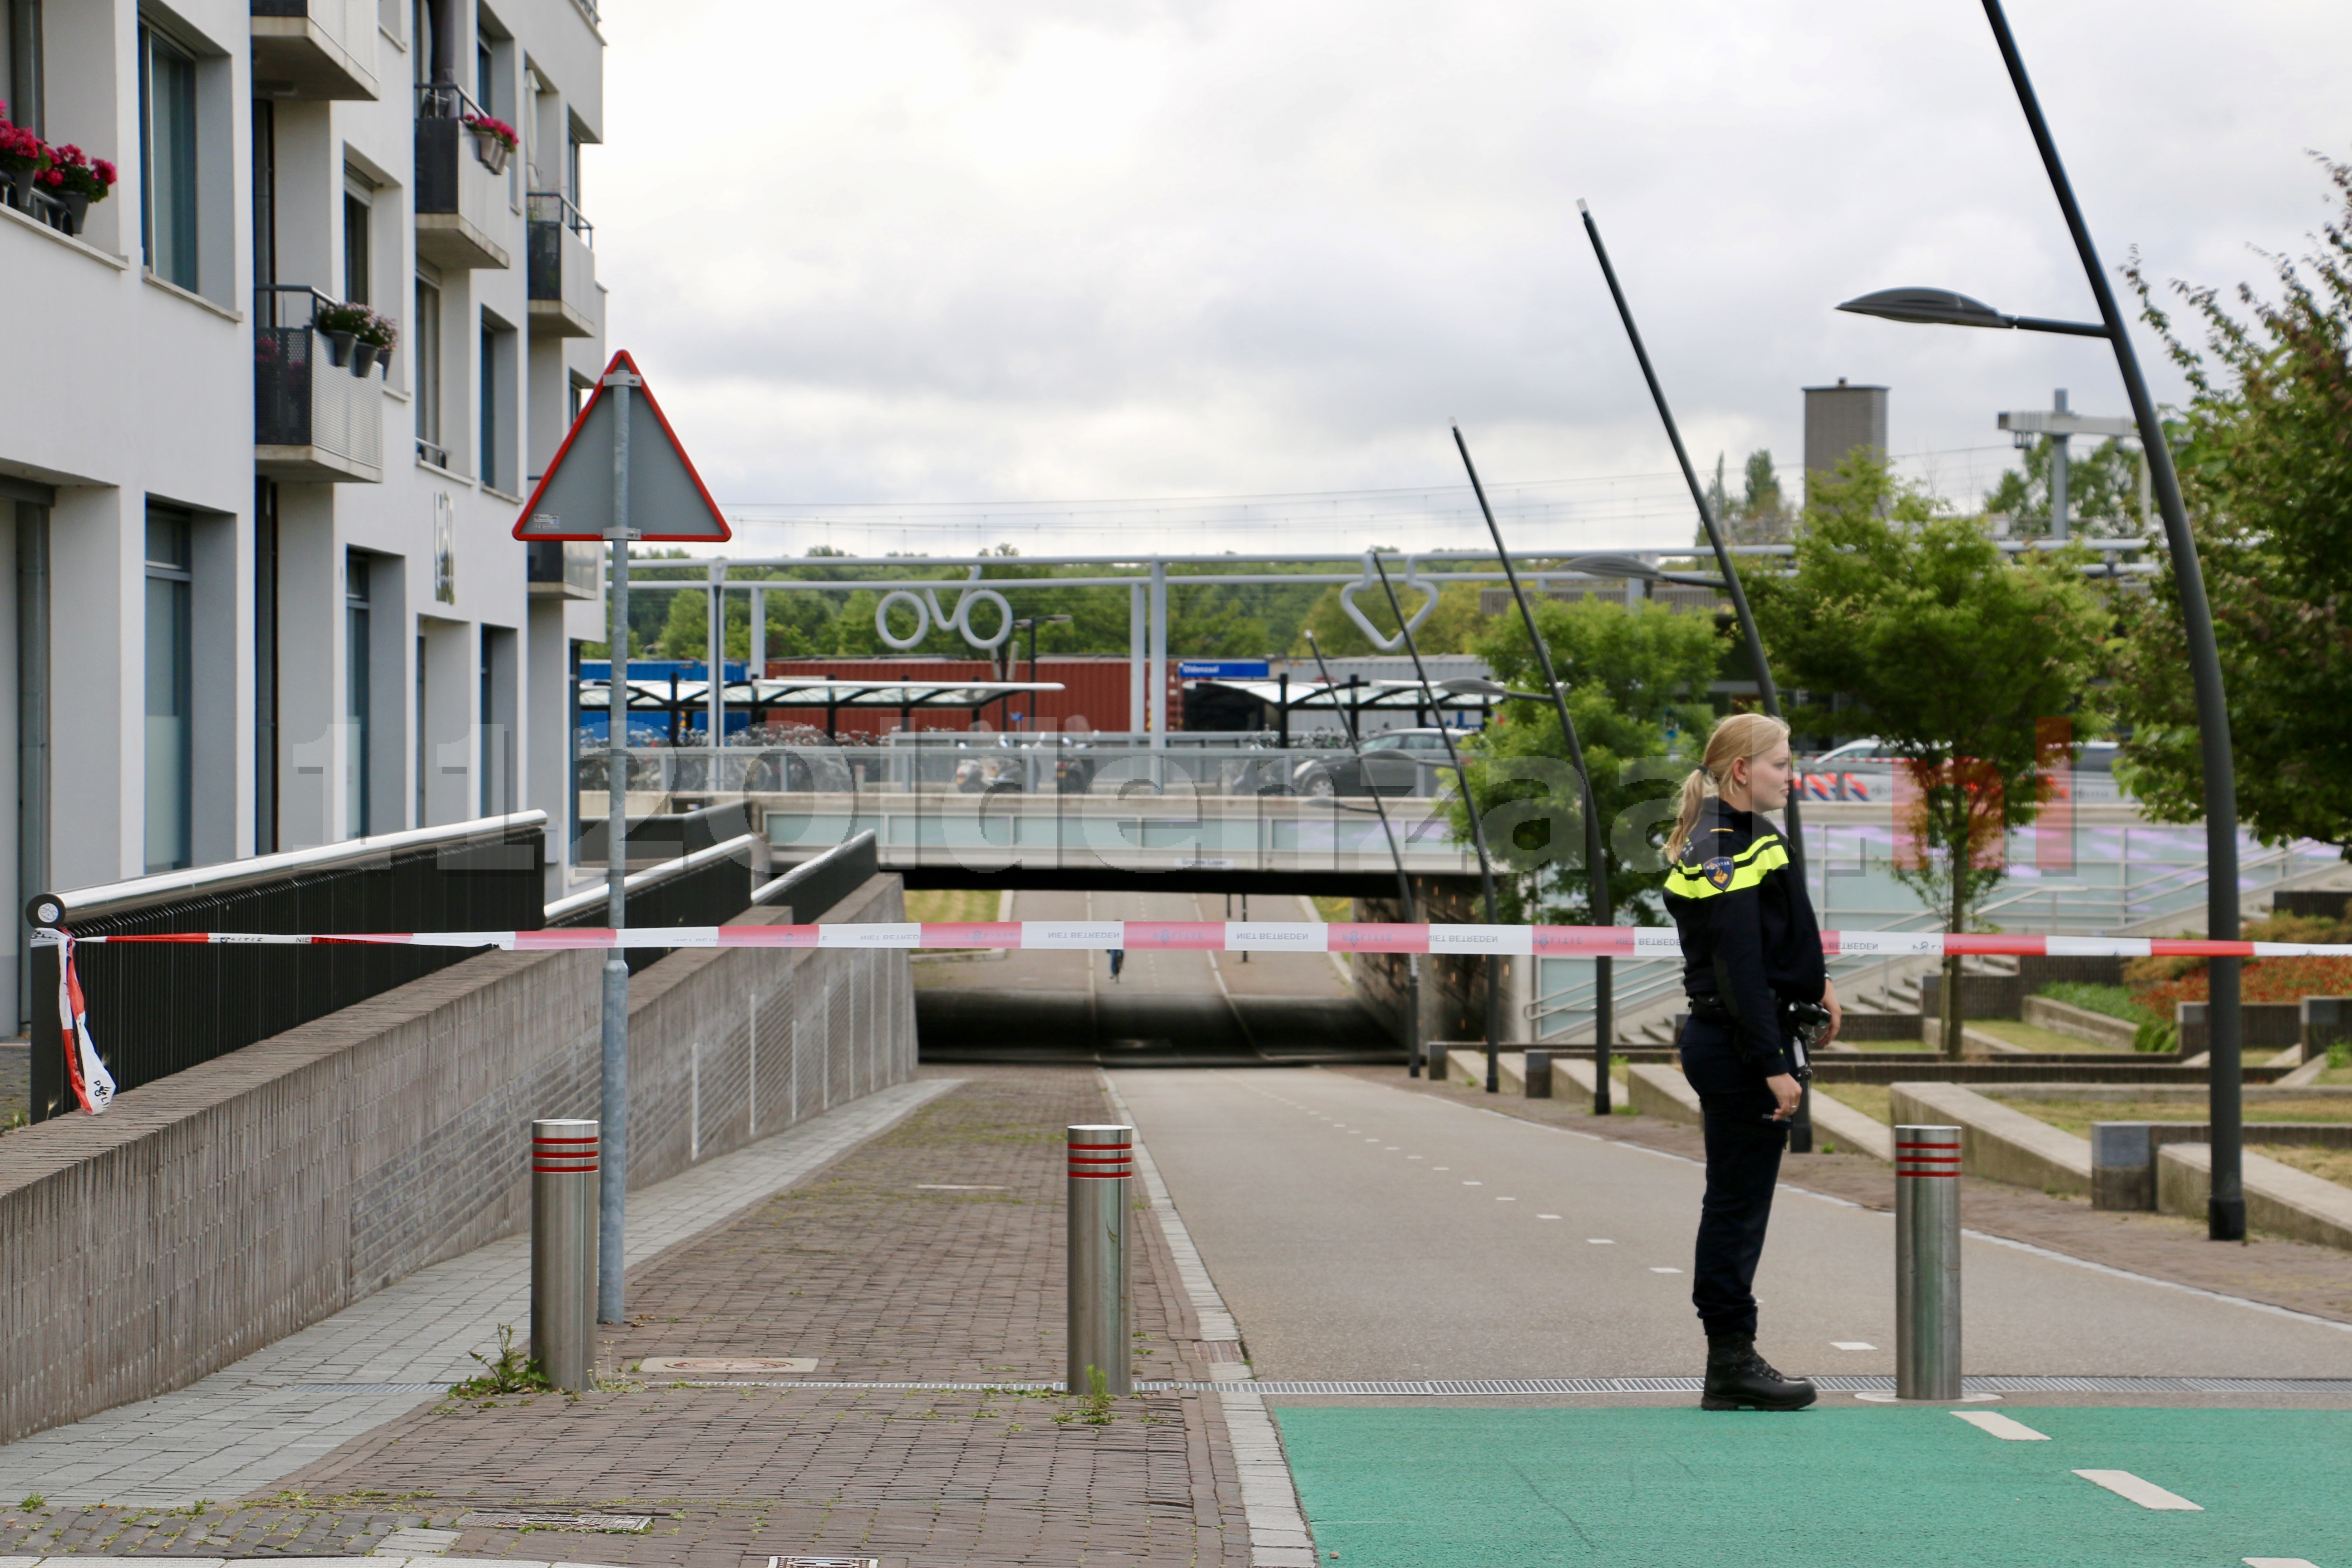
(247,608)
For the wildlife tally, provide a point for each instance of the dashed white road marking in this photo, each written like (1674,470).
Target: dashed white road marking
(1851,1345)
(1507,1200)
(2147,1494)
(1473,1184)
(1546,1216)
(1661,1268)
(2001,1426)
(1601,1241)
(2278,1562)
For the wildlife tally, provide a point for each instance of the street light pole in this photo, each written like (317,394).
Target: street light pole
(1405,883)
(1764,685)
(1596,858)
(1477,833)
(2225,1216)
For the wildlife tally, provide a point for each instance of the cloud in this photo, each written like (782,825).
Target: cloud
(937,250)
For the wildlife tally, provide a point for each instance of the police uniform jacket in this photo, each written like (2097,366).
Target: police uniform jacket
(1749,939)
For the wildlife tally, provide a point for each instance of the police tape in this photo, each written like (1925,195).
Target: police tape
(1227,936)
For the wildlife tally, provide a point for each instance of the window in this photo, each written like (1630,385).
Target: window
(427,349)
(20,63)
(487,464)
(167,150)
(171,740)
(358,662)
(485,78)
(356,240)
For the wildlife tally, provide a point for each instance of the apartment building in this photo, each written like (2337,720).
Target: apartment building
(264,594)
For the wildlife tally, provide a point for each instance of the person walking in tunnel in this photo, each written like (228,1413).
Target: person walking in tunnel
(1752,969)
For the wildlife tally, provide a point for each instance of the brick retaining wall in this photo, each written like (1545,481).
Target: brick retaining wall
(221,1208)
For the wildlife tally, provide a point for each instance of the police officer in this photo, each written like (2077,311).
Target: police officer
(1751,952)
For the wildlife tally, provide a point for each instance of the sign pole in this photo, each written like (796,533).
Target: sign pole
(613,1178)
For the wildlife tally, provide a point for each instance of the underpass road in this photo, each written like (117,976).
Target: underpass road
(1360,1232)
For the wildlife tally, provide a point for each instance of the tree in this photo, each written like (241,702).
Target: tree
(1950,653)
(2101,493)
(2265,457)
(1761,515)
(1637,679)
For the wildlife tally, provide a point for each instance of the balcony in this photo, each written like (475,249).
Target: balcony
(314,421)
(315,50)
(564,568)
(564,299)
(461,196)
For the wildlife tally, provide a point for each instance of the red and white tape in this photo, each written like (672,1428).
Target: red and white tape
(1238,936)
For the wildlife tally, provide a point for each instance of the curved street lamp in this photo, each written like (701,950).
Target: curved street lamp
(2226,1210)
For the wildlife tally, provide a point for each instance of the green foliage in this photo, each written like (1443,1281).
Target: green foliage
(2265,457)
(2157,1038)
(2102,492)
(2339,1056)
(508,1371)
(2111,1001)
(1950,652)
(1758,515)
(1637,679)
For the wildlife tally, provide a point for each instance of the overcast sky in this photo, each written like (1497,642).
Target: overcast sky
(914,252)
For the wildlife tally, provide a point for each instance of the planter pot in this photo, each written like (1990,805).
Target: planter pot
(76,210)
(362,359)
(492,151)
(339,347)
(19,188)
(383,358)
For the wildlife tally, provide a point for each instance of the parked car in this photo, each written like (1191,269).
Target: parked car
(1391,763)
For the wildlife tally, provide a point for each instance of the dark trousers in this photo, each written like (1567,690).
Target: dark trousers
(1743,1164)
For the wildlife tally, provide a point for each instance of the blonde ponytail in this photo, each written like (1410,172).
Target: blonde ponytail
(1740,735)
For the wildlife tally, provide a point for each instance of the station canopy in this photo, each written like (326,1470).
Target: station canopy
(1315,697)
(659,694)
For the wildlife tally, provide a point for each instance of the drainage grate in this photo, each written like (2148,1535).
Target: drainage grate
(819,1561)
(607,1523)
(689,1364)
(367,1387)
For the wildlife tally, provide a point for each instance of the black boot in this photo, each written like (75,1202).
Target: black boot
(1739,1379)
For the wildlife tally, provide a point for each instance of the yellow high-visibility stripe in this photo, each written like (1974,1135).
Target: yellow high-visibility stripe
(1765,856)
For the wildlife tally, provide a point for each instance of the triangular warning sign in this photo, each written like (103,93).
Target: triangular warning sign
(666,500)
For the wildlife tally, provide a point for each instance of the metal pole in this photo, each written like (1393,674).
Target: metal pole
(2058,458)
(612,1176)
(1596,855)
(1478,838)
(563,1178)
(1102,1159)
(1157,673)
(1926,1263)
(1138,715)
(714,671)
(759,644)
(1396,857)
(1764,685)
(2226,1210)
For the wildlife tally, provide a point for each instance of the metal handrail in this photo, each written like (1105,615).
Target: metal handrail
(565,212)
(266,298)
(446,100)
(652,877)
(767,893)
(165,886)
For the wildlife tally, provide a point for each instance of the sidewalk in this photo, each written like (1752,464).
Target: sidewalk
(931,1252)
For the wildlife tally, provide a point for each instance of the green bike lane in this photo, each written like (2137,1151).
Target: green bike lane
(1852,1487)
(1362,1234)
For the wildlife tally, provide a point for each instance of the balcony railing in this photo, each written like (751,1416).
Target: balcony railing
(564,300)
(314,419)
(462,208)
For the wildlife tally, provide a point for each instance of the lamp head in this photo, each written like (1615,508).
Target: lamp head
(1932,307)
(1474,685)
(1610,565)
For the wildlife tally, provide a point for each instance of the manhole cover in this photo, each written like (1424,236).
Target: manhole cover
(609,1523)
(692,1365)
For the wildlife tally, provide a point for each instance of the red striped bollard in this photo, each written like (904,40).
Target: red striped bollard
(1102,1159)
(564,1174)
(1926,1263)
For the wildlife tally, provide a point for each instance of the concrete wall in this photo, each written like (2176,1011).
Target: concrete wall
(211,1213)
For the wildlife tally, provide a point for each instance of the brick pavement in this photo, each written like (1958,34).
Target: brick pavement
(880,1273)
(2296,1275)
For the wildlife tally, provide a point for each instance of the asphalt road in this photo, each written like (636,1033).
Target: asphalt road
(1357,1231)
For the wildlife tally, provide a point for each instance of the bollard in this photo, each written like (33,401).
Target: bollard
(1101,1160)
(1538,1075)
(1928,1263)
(564,1175)
(2123,1165)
